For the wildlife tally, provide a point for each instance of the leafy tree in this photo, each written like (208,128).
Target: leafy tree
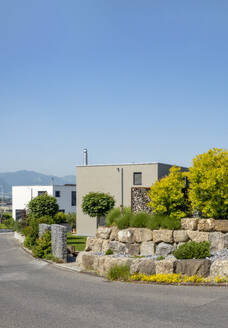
(43,205)
(208,178)
(167,197)
(97,204)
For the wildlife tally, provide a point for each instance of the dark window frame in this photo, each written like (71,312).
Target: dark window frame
(73,198)
(137,175)
(57,193)
(41,192)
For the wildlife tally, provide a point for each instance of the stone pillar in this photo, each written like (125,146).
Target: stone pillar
(59,241)
(43,227)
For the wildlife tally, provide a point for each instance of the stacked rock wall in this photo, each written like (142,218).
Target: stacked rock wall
(149,245)
(145,242)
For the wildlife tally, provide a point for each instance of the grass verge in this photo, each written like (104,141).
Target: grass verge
(78,241)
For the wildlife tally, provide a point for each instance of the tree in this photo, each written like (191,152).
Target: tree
(208,179)
(43,205)
(167,197)
(97,204)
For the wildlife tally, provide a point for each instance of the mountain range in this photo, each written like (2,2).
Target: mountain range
(24,177)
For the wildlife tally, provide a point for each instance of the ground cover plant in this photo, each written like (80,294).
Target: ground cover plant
(79,242)
(193,250)
(109,252)
(141,220)
(171,278)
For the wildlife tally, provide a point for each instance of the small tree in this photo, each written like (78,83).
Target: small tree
(208,178)
(43,205)
(167,197)
(97,204)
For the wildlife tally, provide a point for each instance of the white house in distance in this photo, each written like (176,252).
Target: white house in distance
(21,196)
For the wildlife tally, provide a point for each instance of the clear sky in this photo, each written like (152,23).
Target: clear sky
(131,80)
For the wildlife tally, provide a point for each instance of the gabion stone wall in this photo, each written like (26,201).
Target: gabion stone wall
(139,200)
(43,227)
(59,241)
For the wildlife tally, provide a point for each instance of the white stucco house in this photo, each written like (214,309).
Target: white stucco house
(64,194)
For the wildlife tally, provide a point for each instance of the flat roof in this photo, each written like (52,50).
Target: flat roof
(127,164)
(54,185)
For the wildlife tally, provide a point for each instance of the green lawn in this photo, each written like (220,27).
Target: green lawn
(3,226)
(78,241)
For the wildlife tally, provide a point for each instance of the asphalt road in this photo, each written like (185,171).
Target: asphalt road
(35,294)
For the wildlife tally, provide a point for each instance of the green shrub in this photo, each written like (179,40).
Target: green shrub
(43,205)
(8,220)
(31,233)
(59,218)
(119,272)
(160,258)
(42,248)
(123,221)
(167,197)
(156,221)
(112,216)
(208,178)
(109,252)
(97,204)
(71,219)
(193,250)
(140,220)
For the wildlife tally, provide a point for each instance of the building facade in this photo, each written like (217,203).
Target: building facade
(64,194)
(116,180)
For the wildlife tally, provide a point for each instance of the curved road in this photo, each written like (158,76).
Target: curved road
(35,294)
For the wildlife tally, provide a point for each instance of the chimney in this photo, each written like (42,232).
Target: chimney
(85,157)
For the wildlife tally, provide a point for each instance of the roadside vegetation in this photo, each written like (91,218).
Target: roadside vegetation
(122,273)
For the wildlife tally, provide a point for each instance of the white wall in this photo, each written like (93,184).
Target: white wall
(65,201)
(21,196)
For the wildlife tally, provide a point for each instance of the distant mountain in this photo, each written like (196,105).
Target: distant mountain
(9,179)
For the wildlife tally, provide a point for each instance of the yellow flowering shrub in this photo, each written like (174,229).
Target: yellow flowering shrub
(208,178)
(166,195)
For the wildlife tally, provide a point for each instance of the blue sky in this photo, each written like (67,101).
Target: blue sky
(133,81)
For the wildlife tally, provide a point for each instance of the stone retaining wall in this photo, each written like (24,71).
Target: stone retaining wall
(145,242)
(101,264)
(149,245)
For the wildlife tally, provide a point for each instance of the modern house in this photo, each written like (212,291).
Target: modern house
(117,180)
(21,196)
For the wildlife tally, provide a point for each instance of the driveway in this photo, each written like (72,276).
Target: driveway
(37,294)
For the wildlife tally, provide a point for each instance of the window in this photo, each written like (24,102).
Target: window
(57,193)
(42,192)
(73,198)
(137,178)
(20,214)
